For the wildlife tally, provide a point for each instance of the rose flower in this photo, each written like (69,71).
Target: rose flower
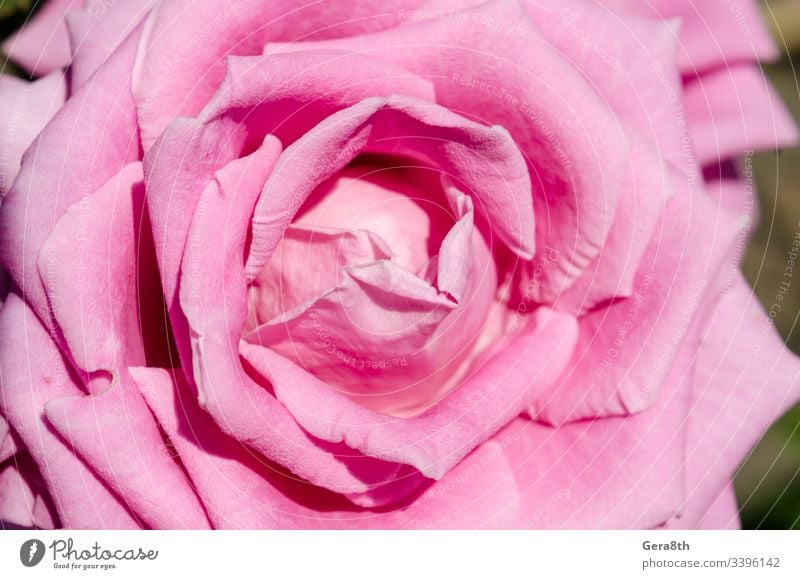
(383,264)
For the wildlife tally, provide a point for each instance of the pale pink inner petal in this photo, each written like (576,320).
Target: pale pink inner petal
(380,287)
(404,206)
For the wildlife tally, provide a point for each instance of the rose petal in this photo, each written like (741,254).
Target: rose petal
(736,110)
(87,264)
(28,106)
(289,279)
(745,379)
(288,94)
(23,498)
(97,30)
(712,34)
(241,491)
(625,350)
(438,439)
(484,160)
(373,330)
(65,163)
(180,39)
(576,148)
(172,198)
(33,372)
(215,308)
(608,473)
(455,260)
(376,309)
(722,513)
(737,196)
(630,61)
(41,45)
(8,447)
(259,86)
(115,433)
(16,498)
(612,273)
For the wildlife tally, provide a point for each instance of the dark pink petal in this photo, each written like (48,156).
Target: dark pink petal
(33,372)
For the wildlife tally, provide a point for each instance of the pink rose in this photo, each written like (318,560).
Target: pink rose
(383,264)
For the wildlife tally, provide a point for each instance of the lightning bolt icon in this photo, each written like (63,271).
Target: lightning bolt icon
(32,552)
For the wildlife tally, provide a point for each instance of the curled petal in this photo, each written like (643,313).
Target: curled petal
(438,439)
(484,160)
(115,433)
(215,308)
(577,163)
(83,500)
(243,491)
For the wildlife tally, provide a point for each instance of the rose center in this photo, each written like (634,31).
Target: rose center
(366,288)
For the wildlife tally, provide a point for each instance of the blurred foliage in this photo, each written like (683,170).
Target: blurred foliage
(768,483)
(13,14)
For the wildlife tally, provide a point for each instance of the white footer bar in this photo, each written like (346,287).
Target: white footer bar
(399,554)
